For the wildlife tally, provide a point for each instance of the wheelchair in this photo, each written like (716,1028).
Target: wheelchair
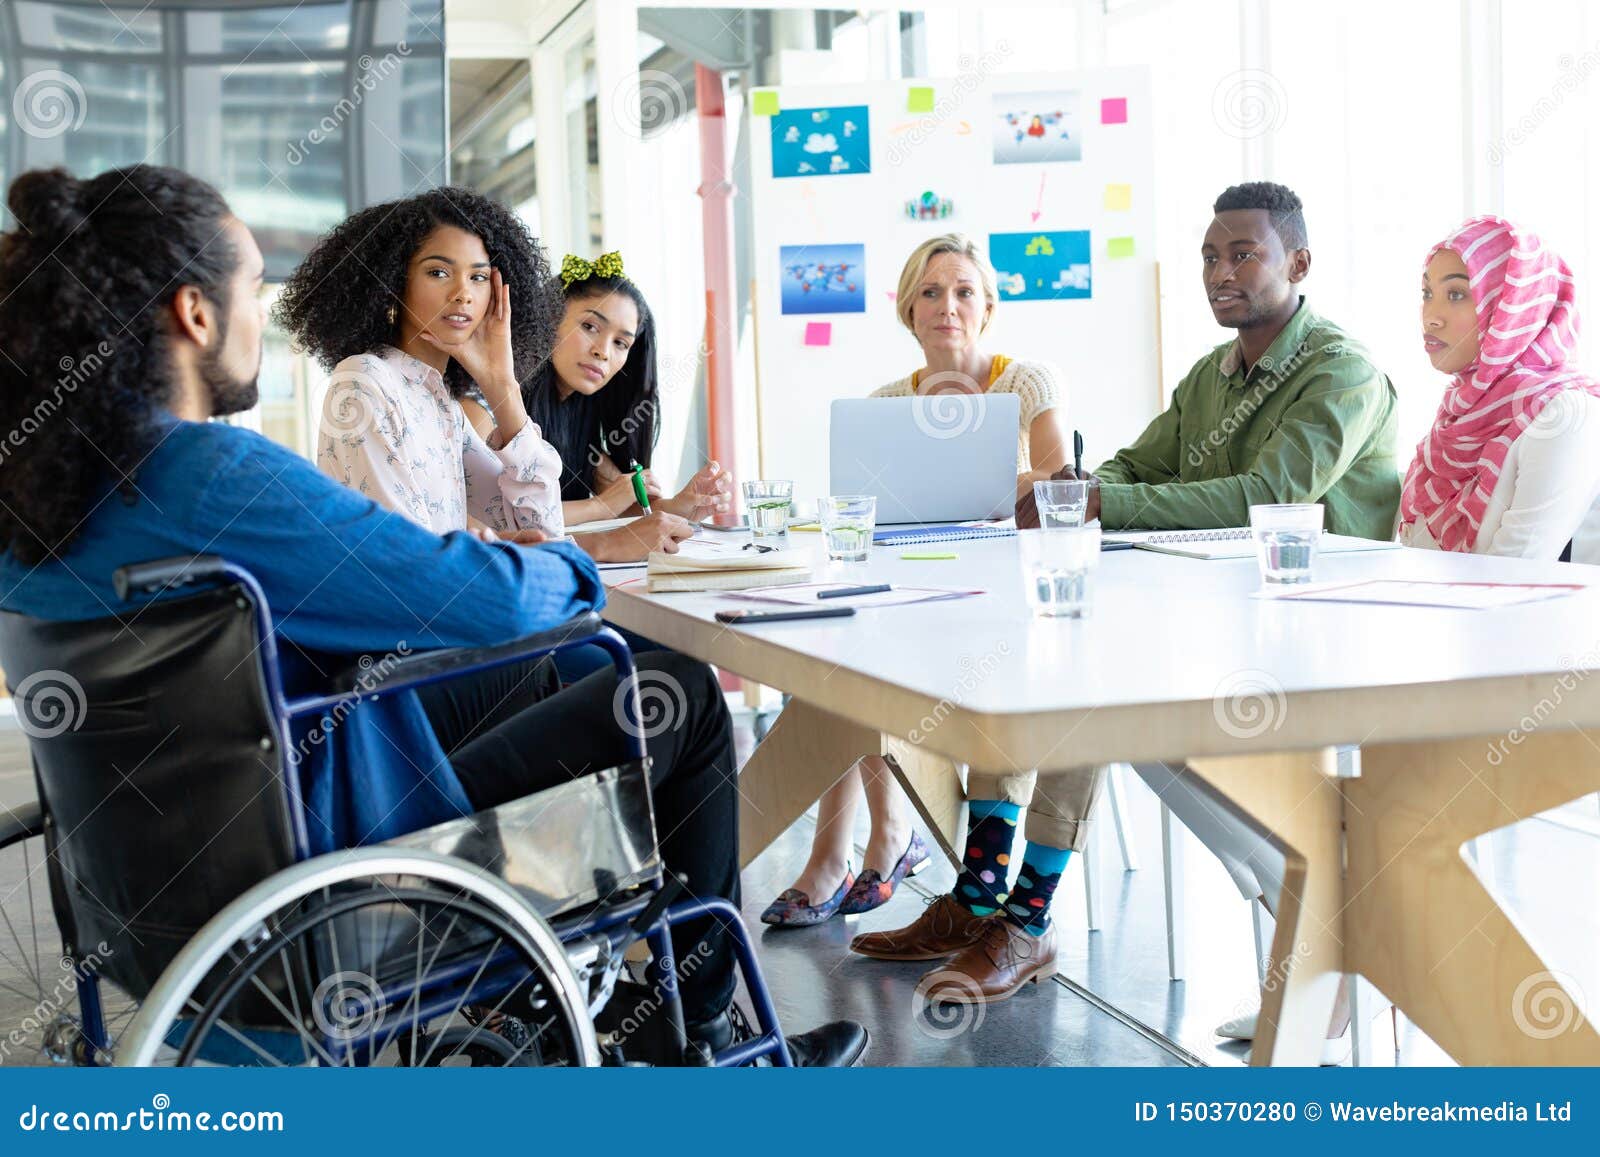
(169,839)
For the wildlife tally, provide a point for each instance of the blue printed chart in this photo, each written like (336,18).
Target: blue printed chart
(824,278)
(1042,266)
(821,142)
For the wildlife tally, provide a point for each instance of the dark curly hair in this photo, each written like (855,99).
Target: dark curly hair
(627,409)
(1280,202)
(336,304)
(85,280)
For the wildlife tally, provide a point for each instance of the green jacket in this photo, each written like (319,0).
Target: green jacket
(1313,421)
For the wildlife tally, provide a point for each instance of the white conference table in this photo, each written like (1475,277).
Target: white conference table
(1466,720)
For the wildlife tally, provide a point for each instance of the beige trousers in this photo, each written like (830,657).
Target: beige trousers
(1059,803)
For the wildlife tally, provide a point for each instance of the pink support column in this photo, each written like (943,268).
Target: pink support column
(716,214)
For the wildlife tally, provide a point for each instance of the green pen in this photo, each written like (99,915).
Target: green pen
(638,486)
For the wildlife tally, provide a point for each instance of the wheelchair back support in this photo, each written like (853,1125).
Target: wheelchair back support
(164,795)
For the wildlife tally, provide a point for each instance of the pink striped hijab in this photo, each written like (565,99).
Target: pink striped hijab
(1527,328)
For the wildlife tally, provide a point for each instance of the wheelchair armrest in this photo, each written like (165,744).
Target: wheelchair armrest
(166,573)
(392,674)
(21,822)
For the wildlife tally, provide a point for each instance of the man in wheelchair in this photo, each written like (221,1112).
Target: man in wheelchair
(144,286)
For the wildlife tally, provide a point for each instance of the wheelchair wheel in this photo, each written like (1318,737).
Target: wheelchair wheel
(377,956)
(39,979)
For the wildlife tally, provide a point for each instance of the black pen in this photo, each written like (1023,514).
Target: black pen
(1077,454)
(841,592)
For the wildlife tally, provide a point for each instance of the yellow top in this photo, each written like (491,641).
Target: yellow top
(996,368)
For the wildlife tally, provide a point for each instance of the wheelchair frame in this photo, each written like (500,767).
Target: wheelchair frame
(649,915)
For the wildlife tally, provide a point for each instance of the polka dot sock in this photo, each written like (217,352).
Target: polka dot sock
(991,830)
(1029,902)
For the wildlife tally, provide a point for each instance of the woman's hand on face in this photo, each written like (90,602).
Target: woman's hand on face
(709,493)
(486,354)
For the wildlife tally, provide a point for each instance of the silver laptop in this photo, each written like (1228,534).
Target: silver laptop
(945,458)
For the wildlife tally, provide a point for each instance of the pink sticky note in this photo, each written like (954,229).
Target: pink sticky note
(1114,111)
(819,333)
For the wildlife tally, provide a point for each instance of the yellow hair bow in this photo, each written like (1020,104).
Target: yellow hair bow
(574,268)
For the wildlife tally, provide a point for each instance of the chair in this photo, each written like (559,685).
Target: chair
(170,819)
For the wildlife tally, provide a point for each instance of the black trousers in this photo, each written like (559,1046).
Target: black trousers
(510,732)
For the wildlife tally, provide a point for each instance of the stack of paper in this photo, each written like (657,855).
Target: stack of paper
(709,565)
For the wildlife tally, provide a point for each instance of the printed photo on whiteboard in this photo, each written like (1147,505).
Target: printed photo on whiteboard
(1041,266)
(823,278)
(821,142)
(1037,127)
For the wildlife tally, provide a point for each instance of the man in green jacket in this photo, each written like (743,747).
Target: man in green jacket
(1292,410)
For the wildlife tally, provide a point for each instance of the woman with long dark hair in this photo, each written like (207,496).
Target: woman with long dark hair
(413,305)
(597,401)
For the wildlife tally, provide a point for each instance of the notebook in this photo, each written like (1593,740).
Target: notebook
(952,532)
(1232,542)
(700,565)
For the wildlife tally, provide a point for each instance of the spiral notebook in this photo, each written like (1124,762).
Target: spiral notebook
(951,532)
(1232,542)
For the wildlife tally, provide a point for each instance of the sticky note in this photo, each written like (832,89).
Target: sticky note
(764,103)
(1113,111)
(919,99)
(1119,247)
(1119,198)
(819,333)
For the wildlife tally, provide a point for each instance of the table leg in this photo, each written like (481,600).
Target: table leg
(1295,804)
(804,754)
(933,784)
(1421,925)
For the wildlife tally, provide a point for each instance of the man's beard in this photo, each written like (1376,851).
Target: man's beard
(229,395)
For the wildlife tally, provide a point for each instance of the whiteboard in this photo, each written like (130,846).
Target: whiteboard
(1103,345)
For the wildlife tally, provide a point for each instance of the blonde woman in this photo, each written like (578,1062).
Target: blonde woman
(946,299)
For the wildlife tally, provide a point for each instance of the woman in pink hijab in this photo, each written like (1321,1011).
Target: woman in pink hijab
(1512,463)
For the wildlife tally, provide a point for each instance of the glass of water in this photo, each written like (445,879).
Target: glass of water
(1063,502)
(1058,569)
(1286,537)
(766,505)
(847,523)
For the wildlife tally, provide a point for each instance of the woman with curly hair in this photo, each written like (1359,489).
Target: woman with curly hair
(596,400)
(412,305)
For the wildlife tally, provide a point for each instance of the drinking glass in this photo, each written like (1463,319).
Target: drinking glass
(766,505)
(1058,569)
(1286,537)
(848,521)
(1063,502)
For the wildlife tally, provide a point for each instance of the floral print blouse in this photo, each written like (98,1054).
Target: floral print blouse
(391,430)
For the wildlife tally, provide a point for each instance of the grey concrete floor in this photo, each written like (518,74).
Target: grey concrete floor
(1113,1003)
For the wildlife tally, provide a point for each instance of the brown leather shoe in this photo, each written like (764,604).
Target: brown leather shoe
(943,928)
(993,967)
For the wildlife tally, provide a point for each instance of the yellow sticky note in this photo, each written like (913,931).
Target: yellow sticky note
(1119,198)
(764,103)
(1119,247)
(919,99)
